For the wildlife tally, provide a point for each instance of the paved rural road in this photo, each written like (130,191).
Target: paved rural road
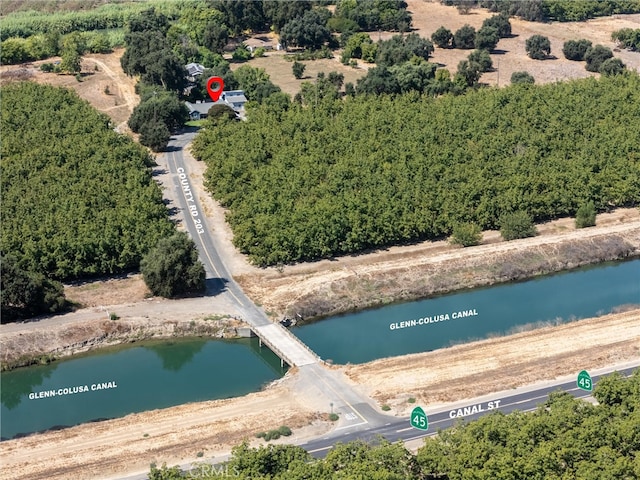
(400,429)
(524,399)
(355,409)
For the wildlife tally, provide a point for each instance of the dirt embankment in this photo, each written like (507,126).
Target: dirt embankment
(502,363)
(42,345)
(407,273)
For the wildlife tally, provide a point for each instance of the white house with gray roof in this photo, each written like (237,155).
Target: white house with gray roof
(232,98)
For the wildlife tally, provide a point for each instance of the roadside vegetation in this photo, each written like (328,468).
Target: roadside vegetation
(78,199)
(392,177)
(563,438)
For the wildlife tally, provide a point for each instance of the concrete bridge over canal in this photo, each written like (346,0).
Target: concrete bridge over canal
(318,381)
(285,345)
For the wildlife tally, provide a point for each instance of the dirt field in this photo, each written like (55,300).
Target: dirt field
(510,55)
(104,85)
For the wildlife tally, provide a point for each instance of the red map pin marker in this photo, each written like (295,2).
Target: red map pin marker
(215,93)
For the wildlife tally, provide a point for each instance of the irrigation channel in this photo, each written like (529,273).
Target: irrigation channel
(116,382)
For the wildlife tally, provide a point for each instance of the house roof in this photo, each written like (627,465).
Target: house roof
(234,96)
(257,42)
(202,107)
(194,69)
(230,98)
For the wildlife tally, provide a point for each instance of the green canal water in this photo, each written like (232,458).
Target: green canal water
(135,379)
(160,374)
(439,322)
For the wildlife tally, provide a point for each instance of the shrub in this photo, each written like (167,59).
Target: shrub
(412,400)
(522,77)
(487,38)
(586,215)
(241,54)
(334,417)
(298,69)
(386,407)
(482,59)
(466,234)
(465,37)
(538,47)
(627,38)
(284,431)
(499,22)
(47,67)
(260,51)
(612,66)
(595,56)
(442,37)
(516,225)
(172,268)
(575,49)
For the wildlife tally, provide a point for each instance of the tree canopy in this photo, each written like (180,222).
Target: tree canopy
(312,182)
(78,199)
(563,437)
(538,47)
(172,267)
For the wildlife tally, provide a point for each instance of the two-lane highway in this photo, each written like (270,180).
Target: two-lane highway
(442,419)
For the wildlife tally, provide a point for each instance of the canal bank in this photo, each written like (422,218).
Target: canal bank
(210,429)
(399,274)
(42,344)
(327,289)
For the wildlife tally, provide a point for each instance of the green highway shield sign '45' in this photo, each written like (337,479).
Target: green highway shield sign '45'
(584,381)
(419,419)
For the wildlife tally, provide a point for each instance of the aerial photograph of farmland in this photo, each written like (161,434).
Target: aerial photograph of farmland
(320,239)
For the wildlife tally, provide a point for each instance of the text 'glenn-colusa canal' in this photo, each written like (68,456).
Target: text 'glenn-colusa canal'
(443,317)
(94,387)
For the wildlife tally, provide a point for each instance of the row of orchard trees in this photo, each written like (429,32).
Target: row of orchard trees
(344,176)
(78,200)
(564,438)
(556,10)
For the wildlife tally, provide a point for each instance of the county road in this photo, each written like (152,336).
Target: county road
(355,409)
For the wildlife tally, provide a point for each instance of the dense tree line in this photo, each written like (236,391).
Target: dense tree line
(627,38)
(26,24)
(564,437)
(557,10)
(344,176)
(371,15)
(78,199)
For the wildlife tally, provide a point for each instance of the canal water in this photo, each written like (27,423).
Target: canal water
(161,374)
(132,379)
(439,322)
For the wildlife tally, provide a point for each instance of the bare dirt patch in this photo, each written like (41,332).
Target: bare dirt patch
(280,72)
(172,435)
(465,371)
(106,88)
(510,55)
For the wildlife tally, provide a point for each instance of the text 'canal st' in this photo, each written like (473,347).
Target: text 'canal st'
(443,317)
(473,409)
(94,387)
